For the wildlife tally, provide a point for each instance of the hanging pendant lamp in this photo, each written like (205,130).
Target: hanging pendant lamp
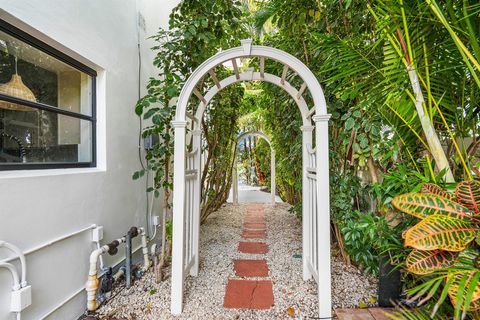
(16,88)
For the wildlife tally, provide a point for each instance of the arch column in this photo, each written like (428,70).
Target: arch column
(273,185)
(306,211)
(235,179)
(197,191)
(323,211)
(178,236)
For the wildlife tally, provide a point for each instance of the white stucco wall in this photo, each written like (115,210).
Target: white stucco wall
(39,206)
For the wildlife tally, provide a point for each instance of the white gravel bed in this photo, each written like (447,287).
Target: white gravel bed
(219,238)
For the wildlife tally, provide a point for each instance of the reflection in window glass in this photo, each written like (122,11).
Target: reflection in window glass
(46,108)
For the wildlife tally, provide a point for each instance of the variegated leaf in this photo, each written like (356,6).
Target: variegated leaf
(441,232)
(422,205)
(425,262)
(454,288)
(468,195)
(468,257)
(434,189)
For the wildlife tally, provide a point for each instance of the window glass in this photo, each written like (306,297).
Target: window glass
(46,107)
(40,136)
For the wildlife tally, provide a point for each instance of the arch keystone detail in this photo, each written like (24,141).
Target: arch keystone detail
(247,46)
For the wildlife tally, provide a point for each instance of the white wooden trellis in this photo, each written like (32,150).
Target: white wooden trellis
(315,172)
(272,165)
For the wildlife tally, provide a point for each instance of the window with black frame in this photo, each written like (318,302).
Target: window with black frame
(47,105)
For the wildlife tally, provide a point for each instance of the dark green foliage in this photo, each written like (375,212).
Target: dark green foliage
(197,30)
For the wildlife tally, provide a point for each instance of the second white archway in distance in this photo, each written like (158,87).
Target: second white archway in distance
(272,165)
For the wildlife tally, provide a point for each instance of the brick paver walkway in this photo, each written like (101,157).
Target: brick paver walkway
(246,291)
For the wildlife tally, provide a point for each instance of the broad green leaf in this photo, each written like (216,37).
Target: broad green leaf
(138,174)
(422,205)
(349,124)
(442,232)
(468,195)
(425,262)
(150,113)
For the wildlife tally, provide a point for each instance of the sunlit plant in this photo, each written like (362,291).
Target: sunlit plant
(445,243)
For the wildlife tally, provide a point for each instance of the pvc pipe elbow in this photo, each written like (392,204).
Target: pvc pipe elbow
(16,281)
(96,253)
(21,256)
(94,259)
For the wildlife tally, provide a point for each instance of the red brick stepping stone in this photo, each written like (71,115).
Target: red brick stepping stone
(253,247)
(379,313)
(254,226)
(255,211)
(256,223)
(254,220)
(250,268)
(254,234)
(249,294)
(353,314)
(259,216)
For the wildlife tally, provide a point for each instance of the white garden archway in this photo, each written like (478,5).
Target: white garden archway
(315,169)
(272,165)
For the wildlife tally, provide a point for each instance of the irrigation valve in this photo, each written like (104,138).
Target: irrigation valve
(21,299)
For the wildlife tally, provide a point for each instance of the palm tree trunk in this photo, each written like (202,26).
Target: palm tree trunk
(436,148)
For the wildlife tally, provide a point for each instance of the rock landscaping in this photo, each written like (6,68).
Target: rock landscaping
(219,244)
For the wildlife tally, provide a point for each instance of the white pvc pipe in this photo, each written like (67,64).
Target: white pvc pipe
(92,283)
(100,258)
(51,242)
(149,216)
(20,255)
(13,271)
(153,249)
(154,233)
(146,259)
(78,291)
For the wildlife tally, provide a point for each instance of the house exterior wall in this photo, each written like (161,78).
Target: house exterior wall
(38,206)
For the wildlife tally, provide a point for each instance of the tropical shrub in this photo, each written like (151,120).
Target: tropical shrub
(445,243)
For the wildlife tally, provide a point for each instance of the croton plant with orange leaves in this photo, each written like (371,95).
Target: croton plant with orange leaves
(446,239)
